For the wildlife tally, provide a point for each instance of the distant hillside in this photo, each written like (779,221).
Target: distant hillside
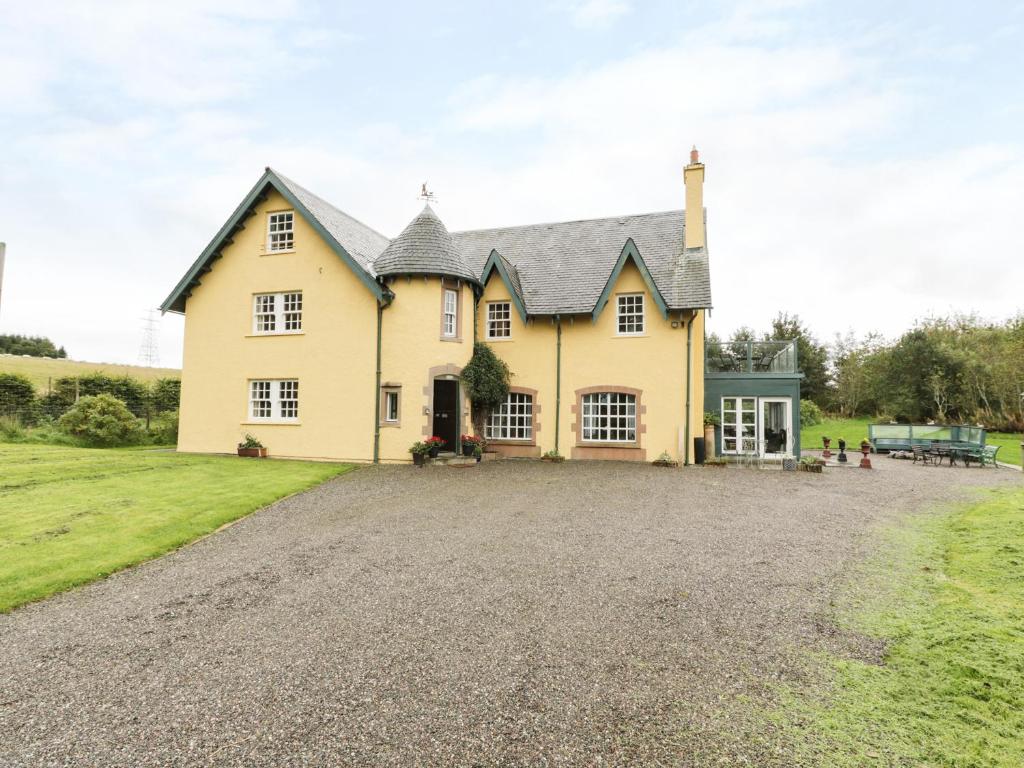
(42,369)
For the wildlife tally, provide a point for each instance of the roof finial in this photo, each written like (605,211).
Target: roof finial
(425,195)
(694,155)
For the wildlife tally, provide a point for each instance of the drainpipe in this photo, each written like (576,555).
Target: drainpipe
(689,377)
(558,376)
(376,391)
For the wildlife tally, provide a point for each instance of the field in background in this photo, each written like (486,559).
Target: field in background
(855,429)
(41,369)
(73,515)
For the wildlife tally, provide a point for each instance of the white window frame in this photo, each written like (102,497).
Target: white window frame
(450,314)
(609,417)
(280,238)
(284,309)
(499,318)
(630,314)
(745,438)
(278,400)
(512,420)
(391,396)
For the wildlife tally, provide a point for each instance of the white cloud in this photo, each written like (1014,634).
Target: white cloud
(598,13)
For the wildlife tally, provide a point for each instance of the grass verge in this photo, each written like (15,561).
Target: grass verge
(72,515)
(948,597)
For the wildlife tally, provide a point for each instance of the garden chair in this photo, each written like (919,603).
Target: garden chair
(988,455)
(922,454)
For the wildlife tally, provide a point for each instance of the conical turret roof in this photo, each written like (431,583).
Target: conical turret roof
(424,248)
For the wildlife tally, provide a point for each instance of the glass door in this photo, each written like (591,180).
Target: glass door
(775,431)
(739,424)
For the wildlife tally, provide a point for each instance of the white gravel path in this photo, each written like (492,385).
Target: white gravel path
(514,613)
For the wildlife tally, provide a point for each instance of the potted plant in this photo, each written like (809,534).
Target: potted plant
(716,462)
(664,460)
(842,450)
(711,420)
(419,451)
(810,464)
(478,452)
(252,448)
(553,456)
(469,444)
(865,446)
(826,441)
(434,445)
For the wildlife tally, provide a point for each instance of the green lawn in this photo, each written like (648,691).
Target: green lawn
(855,429)
(72,515)
(948,597)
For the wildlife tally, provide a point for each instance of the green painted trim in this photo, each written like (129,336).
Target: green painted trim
(558,376)
(630,251)
(175,302)
(376,390)
(494,262)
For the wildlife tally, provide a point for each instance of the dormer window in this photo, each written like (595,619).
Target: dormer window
(499,320)
(630,321)
(280,231)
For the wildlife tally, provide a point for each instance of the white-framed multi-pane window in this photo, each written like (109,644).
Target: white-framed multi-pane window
(512,420)
(609,417)
(739,424)
(499,320)
(450,317)
(280,231)
(277,312)
(630,314)
(274,400)
(391,406)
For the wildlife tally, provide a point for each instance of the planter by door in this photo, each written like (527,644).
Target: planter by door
(419,459)
(709,442)
(446,412)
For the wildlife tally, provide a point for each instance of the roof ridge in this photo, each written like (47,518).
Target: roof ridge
(329,204)
(570,221)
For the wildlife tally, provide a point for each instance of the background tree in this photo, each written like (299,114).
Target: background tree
(812,356)
(36,346)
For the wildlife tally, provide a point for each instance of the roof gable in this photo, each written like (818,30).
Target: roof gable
(509,275)
(630,252)
(330,223)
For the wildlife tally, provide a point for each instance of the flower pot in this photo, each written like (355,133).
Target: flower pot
(661,463)
(555,459)
(253,453)
(467,449)
(434,450)
(419,459)
(826,441)
(478,458)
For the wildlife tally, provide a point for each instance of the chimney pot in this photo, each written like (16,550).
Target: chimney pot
(694,155)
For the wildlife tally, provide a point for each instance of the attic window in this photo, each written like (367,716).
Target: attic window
(280,231)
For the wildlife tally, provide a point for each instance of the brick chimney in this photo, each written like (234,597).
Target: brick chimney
(693,178)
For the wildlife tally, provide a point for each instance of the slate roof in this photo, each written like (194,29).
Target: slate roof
(563,267)
(363,243)
(558,268)
(425,248)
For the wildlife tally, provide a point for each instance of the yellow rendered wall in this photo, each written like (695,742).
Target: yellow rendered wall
(412,348)
(594,355)
(333,358)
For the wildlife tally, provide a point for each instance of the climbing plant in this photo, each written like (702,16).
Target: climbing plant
(487,378)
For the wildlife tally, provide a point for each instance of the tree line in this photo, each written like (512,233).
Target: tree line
(34,346)
(957,369)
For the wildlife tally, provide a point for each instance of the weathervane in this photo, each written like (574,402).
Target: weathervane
(425,195)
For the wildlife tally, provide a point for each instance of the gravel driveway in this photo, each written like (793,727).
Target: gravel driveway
(510,613)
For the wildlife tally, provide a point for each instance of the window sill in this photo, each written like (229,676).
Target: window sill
(456,339)
(275,333)
(630,336)
(499,338)
(271,423)
(390,424)
(275,253)
(588,444)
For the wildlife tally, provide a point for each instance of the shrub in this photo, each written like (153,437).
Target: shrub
(165,395)
(101,420)
(487,378)
(11,430)
(810,413)
(17,397)
(163,429)
(132,392)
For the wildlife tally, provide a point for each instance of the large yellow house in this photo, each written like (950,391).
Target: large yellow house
(327,340)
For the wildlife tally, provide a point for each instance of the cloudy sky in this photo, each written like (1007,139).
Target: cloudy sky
(865,161)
